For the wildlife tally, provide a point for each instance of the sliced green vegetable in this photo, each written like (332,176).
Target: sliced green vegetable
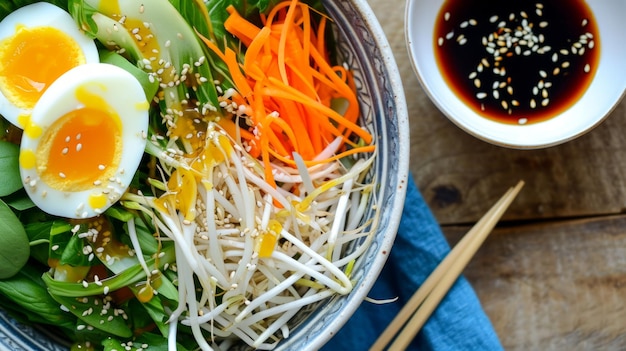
(175,57)
(39,238)
(14,245)
(154,341)
(150,87)
(129,276)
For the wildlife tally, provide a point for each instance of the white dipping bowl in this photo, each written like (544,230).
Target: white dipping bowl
(604,92)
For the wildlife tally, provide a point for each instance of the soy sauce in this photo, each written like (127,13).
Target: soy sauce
(517,62)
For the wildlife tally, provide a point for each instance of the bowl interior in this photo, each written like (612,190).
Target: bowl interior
(604,92)
(364,48)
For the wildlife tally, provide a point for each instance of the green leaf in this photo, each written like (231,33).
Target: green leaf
(90,310)
(129,276)
(9,168)
(25,293)
(60,235)
(20,201)
(14,245)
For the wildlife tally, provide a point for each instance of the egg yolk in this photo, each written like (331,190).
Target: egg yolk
(32,59)
(80,150)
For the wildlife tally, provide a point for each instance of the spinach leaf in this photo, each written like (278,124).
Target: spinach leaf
(14,245)
(9,168)
(26,294)
(73,254)
(20,201)
(156,342)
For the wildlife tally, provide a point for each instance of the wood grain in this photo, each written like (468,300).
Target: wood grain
(553,274)
(554,286)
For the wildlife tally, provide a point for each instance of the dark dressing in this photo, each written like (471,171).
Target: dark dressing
(517,62)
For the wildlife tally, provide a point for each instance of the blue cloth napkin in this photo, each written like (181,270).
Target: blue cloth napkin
(459,323)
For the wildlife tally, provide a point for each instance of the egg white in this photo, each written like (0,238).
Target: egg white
(124,95)
(41,14)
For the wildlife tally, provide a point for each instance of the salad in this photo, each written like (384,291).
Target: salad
(177,175)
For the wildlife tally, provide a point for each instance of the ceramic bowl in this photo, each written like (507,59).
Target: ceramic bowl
(603,93)
(364,47)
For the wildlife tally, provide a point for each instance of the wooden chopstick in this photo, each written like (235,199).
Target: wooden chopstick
(424,301)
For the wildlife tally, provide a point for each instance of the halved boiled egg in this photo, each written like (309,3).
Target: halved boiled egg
(84,141)
(38,43)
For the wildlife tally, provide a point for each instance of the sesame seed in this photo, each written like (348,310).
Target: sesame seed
(62,175)
(522,120)
(545,102)
(446,16)
(79,147)
(440,41)
(481,95)
(533,104)
(587,68)
(477,83)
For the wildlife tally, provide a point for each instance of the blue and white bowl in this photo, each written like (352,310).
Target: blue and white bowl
(364,47)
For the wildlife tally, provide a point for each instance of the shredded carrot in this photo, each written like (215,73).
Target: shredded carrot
(288,84)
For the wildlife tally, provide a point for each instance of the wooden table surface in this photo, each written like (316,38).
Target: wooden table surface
(552,275)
